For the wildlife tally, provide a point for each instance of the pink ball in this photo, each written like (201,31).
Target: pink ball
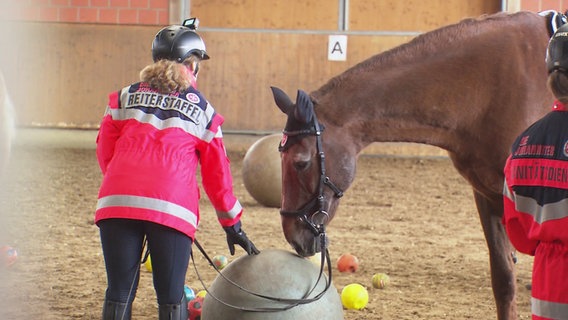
(9,255)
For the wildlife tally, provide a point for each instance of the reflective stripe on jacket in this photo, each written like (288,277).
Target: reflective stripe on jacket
(149,147)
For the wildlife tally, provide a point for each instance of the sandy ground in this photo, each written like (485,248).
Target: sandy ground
(409,216)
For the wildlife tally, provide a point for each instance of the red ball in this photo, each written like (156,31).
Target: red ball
(194,307)
(347,263)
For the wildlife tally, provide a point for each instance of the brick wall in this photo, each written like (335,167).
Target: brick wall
(138,12)
(539,5)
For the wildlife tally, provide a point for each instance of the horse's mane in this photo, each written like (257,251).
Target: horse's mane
(429,43)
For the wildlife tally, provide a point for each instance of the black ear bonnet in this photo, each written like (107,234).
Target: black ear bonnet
(301,121)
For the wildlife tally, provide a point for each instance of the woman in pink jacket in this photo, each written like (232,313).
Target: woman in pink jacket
(536,192)
(152,138)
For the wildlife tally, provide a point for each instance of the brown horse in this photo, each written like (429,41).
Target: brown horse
(468,88)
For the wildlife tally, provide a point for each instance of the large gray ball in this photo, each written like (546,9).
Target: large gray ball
(275,273)
(262,171)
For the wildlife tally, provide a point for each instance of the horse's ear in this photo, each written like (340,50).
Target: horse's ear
(282,100)
(304,107)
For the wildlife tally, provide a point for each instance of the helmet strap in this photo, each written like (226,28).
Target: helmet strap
(193,74)
(196,68)
(189,69)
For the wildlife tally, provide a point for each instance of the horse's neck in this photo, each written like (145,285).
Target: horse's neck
(446,98)
(398,110)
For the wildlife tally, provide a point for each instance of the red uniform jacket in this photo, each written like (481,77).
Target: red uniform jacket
(149,147)
(536,209)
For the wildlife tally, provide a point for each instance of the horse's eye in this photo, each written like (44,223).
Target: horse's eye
(301,165)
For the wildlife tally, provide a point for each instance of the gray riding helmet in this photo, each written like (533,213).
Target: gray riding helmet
(557,52)
(176,43)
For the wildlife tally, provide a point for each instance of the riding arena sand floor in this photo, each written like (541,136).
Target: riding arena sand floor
(408,214)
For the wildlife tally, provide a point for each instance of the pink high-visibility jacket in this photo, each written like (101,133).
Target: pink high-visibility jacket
(149,147)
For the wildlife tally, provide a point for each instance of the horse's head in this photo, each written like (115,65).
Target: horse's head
(309,196)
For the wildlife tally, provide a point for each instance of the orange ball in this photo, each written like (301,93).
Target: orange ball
(347,263)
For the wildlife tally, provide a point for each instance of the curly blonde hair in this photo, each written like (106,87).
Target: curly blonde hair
(168,76)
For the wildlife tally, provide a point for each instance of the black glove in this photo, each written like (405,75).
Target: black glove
(236,235)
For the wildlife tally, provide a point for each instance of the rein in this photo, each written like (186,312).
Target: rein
(316,223)
(288,302)
(314,206)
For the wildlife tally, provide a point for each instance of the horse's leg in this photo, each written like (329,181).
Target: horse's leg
(500,256)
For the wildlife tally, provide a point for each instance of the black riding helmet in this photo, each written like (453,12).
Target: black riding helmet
(176,43)
(557,52)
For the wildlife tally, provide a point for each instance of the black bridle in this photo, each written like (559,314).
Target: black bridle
(308,214)
(313,213)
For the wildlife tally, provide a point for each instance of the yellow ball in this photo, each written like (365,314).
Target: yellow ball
(148,264)
(201,293)
(354,296)
(380,280)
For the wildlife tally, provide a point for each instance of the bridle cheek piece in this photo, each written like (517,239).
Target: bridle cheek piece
(313,213)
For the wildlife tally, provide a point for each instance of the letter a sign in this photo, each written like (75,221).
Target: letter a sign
(337,48)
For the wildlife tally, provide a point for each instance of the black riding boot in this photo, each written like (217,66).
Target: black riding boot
(113,310)
(174,311)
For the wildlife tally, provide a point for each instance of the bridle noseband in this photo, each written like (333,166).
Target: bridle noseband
(313,213)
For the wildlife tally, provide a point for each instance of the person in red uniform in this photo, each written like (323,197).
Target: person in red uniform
(536,192)
(153,137)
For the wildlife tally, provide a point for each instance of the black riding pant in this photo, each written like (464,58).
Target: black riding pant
(122,243)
